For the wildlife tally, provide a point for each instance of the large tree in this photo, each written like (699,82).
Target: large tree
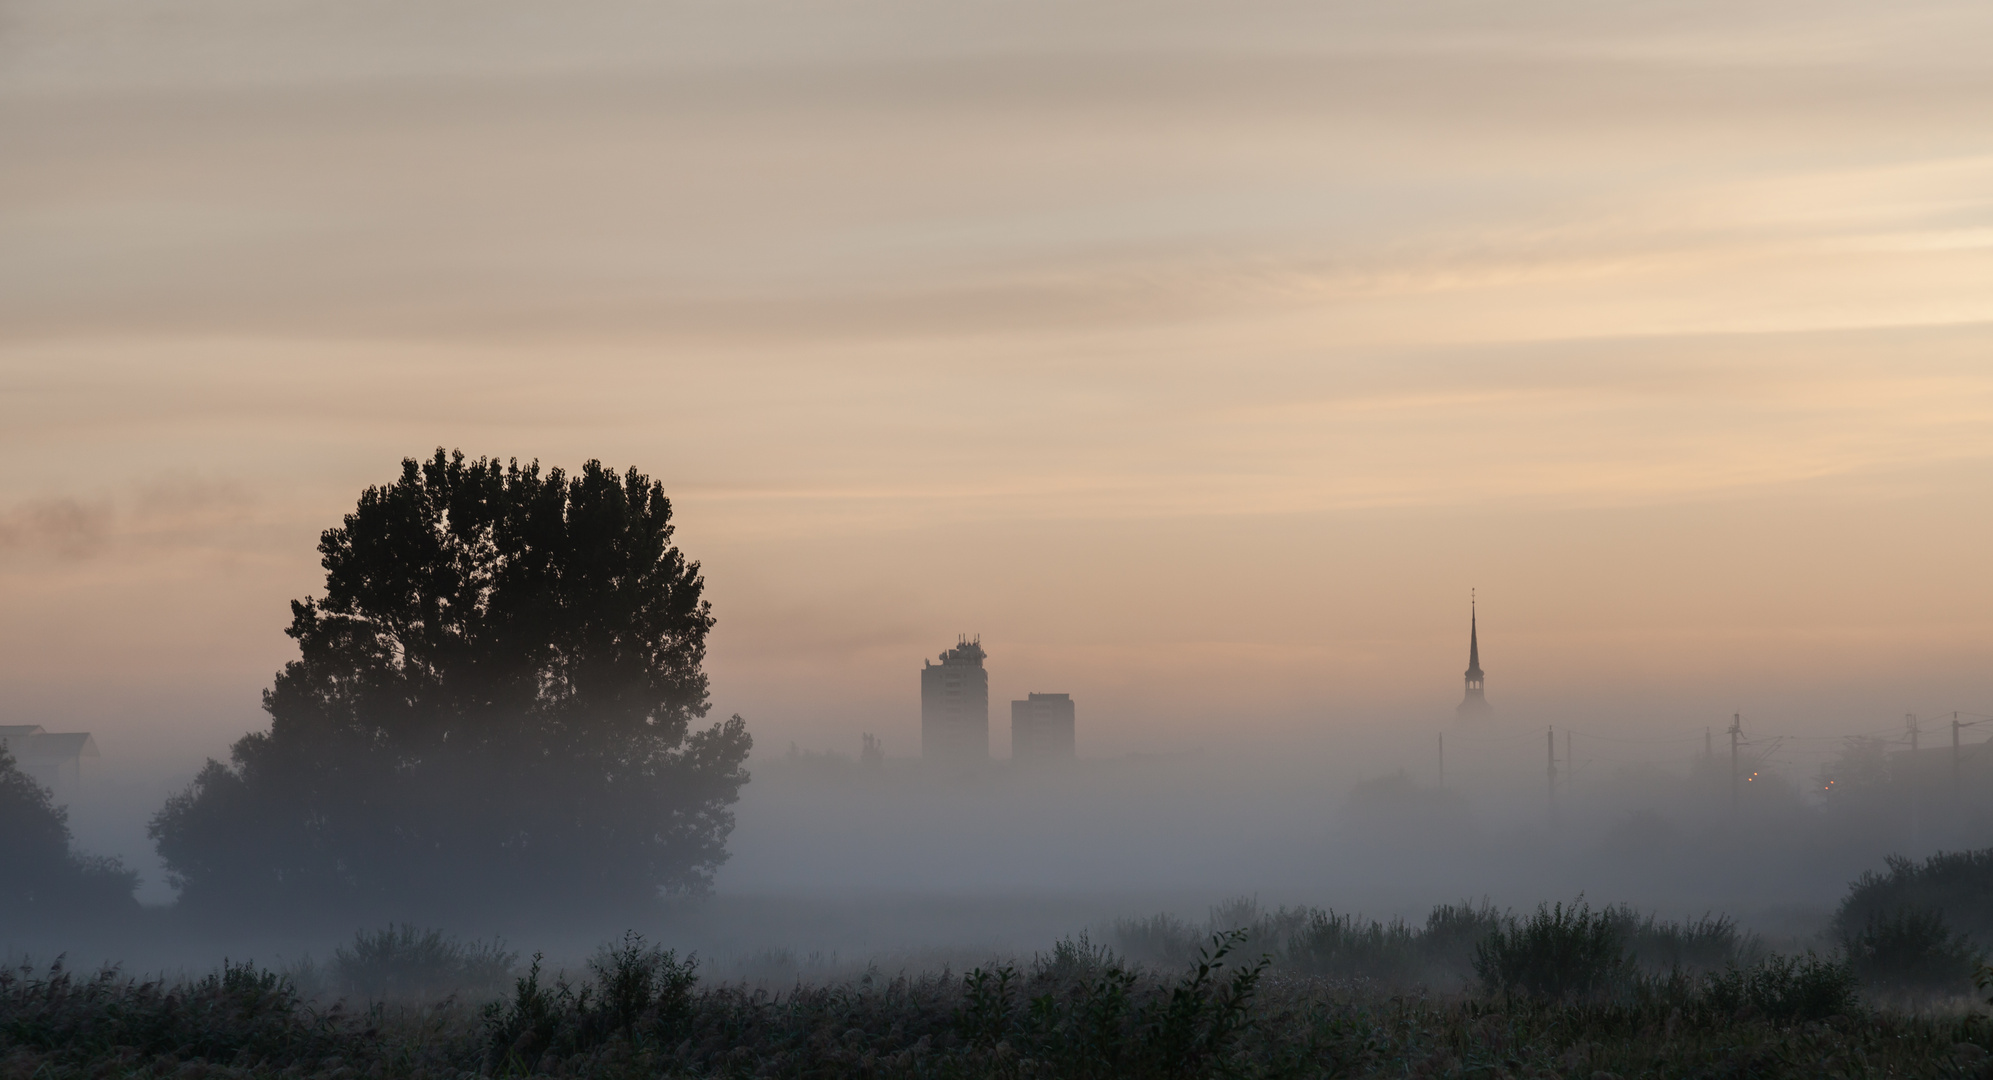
(43,883)
(493,706)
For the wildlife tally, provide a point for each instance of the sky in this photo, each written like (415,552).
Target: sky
(1201,358)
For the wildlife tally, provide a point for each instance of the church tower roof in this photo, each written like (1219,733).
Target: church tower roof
(1473,641)
(1476,700)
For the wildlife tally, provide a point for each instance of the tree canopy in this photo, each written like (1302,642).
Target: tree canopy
(41,880)
(494,703)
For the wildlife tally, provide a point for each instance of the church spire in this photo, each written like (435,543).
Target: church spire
(1476,700)
(1473,638)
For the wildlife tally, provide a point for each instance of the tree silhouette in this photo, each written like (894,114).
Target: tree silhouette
(493,707)
(42,882)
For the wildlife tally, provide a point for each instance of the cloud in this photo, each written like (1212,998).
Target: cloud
(166,511)
(69,528)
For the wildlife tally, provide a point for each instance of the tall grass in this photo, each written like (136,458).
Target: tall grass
(1077,1011)
(1560,952)
(1439,953)
(402,963)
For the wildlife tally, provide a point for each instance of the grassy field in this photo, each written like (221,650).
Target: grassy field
(1566,991)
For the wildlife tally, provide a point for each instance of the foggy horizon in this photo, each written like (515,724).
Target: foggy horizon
(1200,363)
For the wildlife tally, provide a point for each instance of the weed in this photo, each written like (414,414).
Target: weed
(637,983)
(1346,947)
(1785,988)
(1559,953)
(399,962)
(1912,952)
(1959,883)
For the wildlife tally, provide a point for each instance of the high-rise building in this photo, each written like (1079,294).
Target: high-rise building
(955,705)
(1476,700)
(1041,728)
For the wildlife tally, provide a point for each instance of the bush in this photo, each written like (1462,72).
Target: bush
(1710,943)
(1315,941)
(1453,934)
(1162,938)
(642,995)
(1343,946)
(1785,988)
(639,983)
(1959,883)
(239,1010)
(405,964)
(1107,1023)
(1558,953)
(1912,952)
(1073,961)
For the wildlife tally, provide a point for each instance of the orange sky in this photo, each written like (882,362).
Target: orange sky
(1200,357)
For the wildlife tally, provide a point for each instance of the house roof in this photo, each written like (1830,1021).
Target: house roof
(63,745)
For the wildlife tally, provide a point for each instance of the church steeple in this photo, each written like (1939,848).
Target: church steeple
(1476,701)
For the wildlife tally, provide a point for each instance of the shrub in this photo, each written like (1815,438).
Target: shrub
(1314,941)
(1110,1025)
(1161,938)
(1558,953)
(1787,989)
(642,995)
(638,983)
(237,1010)
(1072,961)
(1710,943)
(1342,945)
(1912,951)
(399,962)
(1958,883)
(1453,934)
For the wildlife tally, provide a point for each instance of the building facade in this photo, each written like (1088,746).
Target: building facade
(53,759)
(1042,728)
(955,705)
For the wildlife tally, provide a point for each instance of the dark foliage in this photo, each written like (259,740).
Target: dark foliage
(1710,943)
(1959,884)
(1452,935)
(237,1014)
(1077,1013)
(405,964)
(641,999)
(1442,953)
(1343,945)
(1558,953)
(43,883)
(493,705)
(1912,951)
(1786,989)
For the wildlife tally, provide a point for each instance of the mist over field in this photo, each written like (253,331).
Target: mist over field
(492,478)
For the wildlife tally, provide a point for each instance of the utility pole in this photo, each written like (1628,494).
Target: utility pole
(1550,752)
(1736,735)
(1570,761)
(1954,759)
(1910,773)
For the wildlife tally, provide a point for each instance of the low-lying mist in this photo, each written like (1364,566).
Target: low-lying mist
(837,864)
